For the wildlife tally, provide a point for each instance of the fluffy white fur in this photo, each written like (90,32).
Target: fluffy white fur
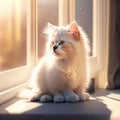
(62,73)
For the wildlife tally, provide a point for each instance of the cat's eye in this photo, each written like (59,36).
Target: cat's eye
(61,42)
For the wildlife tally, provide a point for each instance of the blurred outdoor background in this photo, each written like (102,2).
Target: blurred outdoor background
(12,33)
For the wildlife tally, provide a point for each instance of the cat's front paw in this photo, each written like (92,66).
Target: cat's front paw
(45,98)
(72,97)
(58,98)
(84,96)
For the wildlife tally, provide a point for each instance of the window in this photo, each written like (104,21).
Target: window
(24,38)
(13,36)
(84,17)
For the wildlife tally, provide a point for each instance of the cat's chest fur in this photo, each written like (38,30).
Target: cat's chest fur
(56,75)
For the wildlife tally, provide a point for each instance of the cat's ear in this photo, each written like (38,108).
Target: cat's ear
(74,31)
(51,27)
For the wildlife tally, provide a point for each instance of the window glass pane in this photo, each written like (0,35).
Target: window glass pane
(13,17)
(47,12)
(84,16)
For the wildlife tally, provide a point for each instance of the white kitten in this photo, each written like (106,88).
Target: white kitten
(62,73)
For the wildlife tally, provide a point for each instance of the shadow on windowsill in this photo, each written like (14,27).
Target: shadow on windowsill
(103,105)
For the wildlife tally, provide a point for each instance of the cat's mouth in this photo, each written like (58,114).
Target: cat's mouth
(57,52)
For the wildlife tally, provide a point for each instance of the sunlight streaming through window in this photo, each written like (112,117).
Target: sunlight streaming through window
(12,33)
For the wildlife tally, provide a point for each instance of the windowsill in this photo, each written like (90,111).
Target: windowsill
(103,105)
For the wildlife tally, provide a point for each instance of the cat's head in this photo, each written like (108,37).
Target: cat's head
(64,41)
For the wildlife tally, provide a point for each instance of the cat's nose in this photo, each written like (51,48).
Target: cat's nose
(55,47)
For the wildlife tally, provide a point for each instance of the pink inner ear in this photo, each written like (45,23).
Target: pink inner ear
(74,35)
(74,31)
